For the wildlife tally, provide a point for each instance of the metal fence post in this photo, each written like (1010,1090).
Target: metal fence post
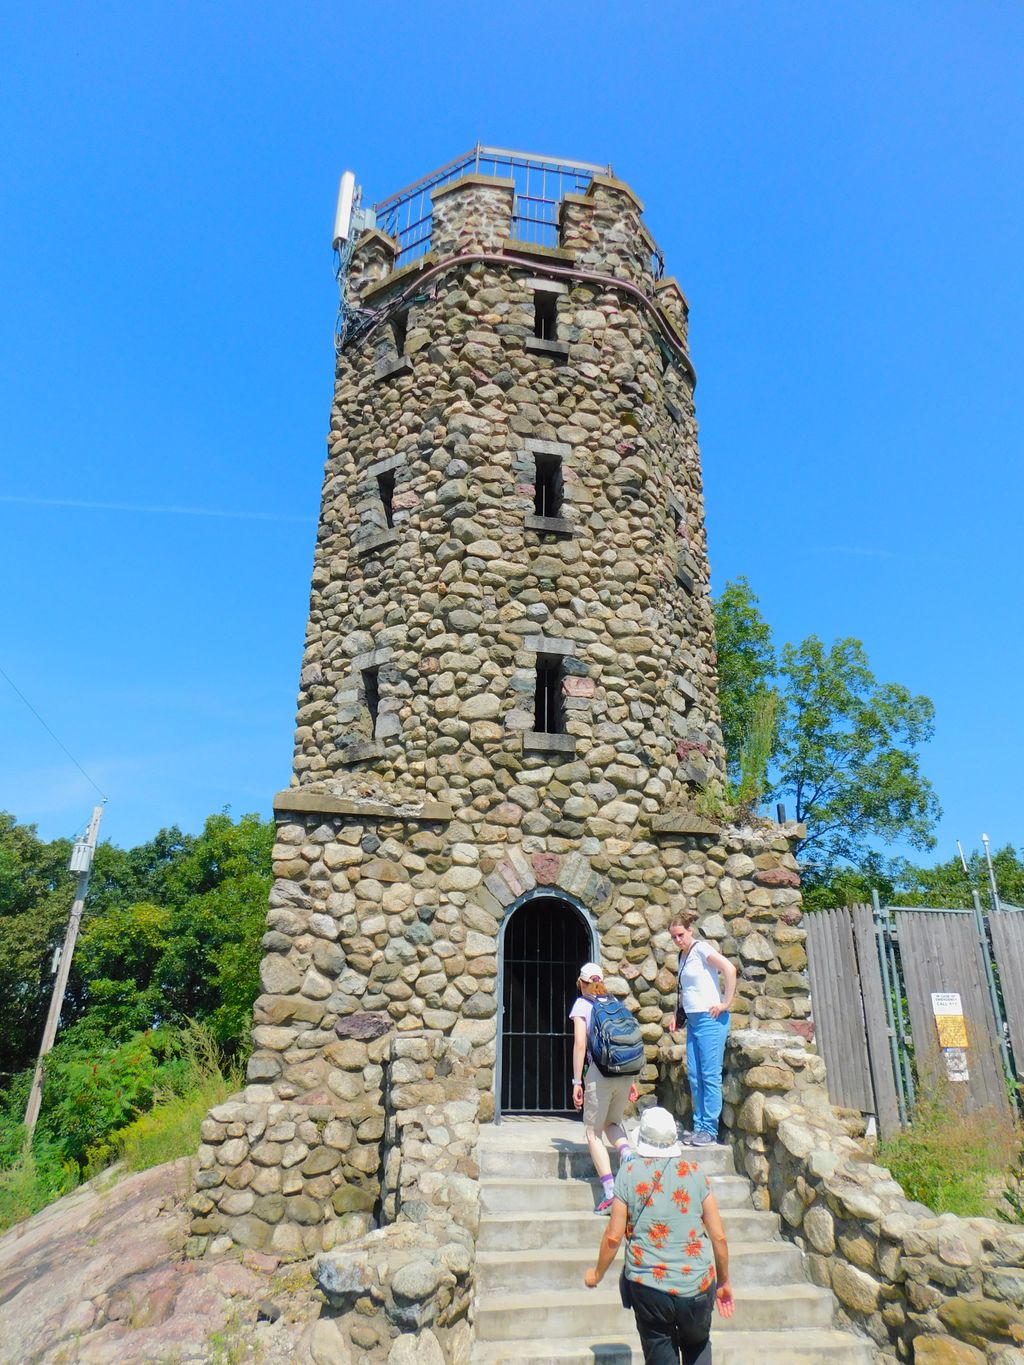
(883,961)
(990,977)
(903,1029)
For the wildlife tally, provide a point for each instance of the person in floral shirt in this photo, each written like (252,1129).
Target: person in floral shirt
(677,1261)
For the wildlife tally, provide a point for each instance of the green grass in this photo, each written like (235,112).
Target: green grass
(953,1161)
(170,1129)
(30,1185)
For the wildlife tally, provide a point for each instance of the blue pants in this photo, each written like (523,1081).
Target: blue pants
(705,1049)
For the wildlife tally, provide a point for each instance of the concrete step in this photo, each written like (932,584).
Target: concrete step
(512,1195)
(532,1231)
(572,1160)
(729,1348)
(522,1272)
(593,1314)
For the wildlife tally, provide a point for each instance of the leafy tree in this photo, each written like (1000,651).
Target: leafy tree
(171,931)
(36,891)
(218,890)
(946,884)
(116,965)
(746,670)
(816,729)
(169,951)
(847,756)
(853,885)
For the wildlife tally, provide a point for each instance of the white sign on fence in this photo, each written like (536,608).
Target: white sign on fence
(948,1010)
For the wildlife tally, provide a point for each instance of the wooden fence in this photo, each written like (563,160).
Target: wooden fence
(1007,929)
(851,1023)
(898,992)
(941,955)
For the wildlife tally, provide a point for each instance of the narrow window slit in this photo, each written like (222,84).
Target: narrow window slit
(386,487)
(399,330)
(549,716)
(371,693)
(548,486)
(545,315)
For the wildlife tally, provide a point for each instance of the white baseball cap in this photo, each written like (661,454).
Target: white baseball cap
(591,971)
(657,1135)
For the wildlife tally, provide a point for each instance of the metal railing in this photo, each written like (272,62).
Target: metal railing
(541,182)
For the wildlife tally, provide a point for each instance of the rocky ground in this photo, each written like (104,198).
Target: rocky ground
(100,1277)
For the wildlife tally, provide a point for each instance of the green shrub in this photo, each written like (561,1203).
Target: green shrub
(142,1102)
(1011,1205)
(951,1160)
(171,1128)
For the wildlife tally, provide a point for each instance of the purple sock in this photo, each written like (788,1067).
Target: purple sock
(608,1184)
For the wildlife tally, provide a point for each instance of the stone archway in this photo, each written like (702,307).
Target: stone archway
(544,938)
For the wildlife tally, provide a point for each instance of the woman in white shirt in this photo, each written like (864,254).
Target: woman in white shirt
(705,1007)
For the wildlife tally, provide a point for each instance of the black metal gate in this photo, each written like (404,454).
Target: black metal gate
(546,943)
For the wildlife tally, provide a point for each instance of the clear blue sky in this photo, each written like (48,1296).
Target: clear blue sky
(839,189)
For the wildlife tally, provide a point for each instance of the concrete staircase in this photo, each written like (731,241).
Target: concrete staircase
(539,1232)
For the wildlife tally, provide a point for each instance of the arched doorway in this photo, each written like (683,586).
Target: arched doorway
(545,940)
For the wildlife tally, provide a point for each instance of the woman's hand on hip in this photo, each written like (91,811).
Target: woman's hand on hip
(724,1301)
(577,1096)
(716,1010)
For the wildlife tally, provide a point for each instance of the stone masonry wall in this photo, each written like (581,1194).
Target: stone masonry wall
(404,1293)
(426,802)
(457,599)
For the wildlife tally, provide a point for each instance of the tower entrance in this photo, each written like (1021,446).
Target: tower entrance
(546,940)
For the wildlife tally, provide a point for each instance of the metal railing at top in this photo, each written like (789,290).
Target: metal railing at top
(541,182)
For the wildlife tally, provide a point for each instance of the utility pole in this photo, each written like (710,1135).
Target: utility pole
(81,863)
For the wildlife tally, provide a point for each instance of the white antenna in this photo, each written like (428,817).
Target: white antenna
(991,873)
(963,860)
(343,212)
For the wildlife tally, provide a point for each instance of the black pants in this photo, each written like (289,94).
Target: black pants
(673,1326)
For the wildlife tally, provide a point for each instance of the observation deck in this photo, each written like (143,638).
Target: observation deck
(541,183)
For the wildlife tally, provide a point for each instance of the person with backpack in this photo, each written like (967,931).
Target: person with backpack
(676,1268)
(607,1038)
(704,1006)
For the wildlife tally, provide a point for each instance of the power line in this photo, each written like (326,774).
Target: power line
(59,744)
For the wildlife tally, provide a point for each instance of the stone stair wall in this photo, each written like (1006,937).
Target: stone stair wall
(404,1291)
(940,1290)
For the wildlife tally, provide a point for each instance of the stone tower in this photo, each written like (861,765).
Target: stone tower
(507,715)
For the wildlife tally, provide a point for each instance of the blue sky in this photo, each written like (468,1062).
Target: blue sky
(838,188)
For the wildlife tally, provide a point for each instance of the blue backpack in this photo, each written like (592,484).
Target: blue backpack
(614,1039)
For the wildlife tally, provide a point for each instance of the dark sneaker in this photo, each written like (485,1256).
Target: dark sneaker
(605,1205)
(702,1140)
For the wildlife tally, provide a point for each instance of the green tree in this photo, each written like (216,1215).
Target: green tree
(218,893)
(36,891)
(847,758)
(746,671)
(116,969)
(946,884)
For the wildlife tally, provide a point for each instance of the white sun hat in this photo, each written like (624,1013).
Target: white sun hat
(657,1135)
(591,971)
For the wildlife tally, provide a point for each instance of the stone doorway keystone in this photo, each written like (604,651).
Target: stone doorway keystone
(545,938)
